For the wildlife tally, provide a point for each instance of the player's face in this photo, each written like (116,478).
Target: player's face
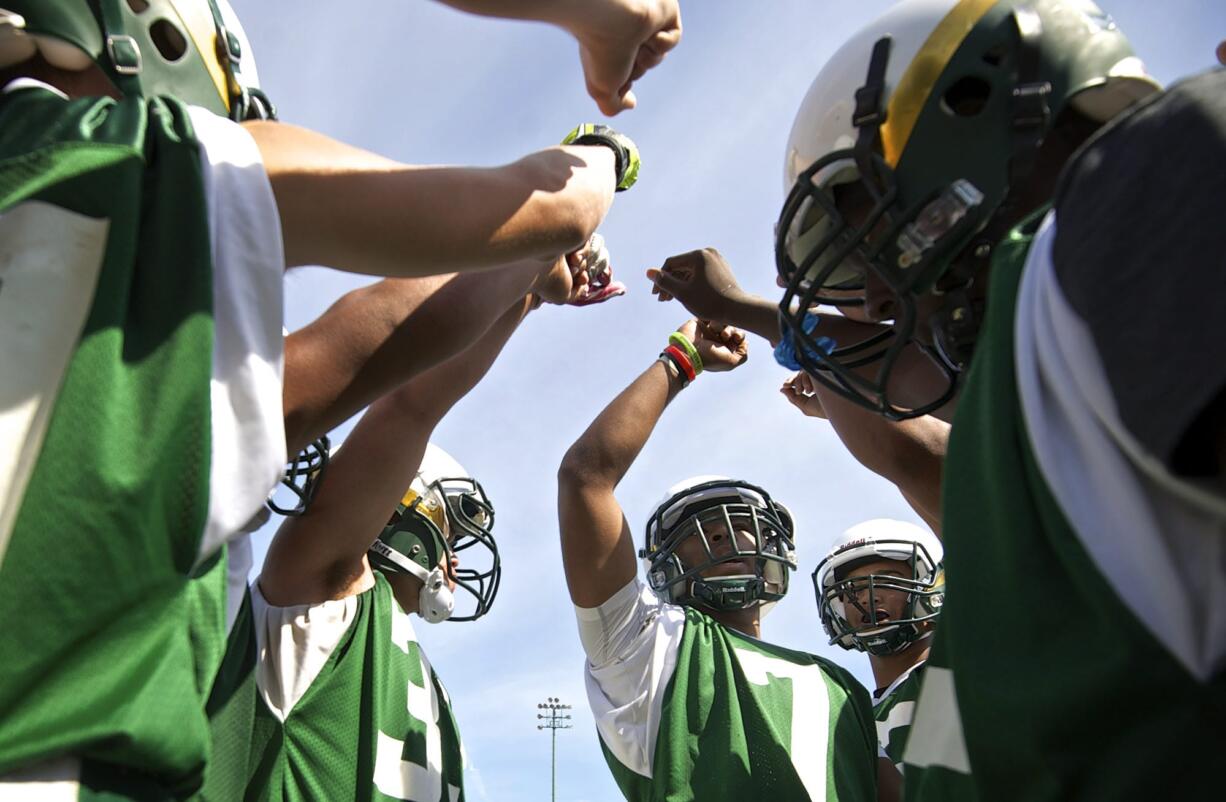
(880,606)
(723,544)
(878,303)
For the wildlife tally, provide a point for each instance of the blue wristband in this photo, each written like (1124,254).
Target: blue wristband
(785,352)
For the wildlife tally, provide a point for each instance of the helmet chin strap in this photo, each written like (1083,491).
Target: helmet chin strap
(435,601)
(727,592)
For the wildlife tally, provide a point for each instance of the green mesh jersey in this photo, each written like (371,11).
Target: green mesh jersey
(738,718)
(894,711)
(373,724)
(108,295)
(1044,683)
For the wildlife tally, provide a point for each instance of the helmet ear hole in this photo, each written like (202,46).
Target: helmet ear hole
(168,40)
(968,97)
(138,6)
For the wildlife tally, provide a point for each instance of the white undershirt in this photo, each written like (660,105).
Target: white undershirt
(631,642)
(294,643)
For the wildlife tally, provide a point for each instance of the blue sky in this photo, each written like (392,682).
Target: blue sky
(418,82)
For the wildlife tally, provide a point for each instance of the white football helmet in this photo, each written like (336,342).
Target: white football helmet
(850,607)
(709,508)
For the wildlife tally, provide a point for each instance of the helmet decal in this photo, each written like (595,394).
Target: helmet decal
(917,82)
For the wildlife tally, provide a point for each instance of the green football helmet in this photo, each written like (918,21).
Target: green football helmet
(190,49)
(707,509)
(901,166)
(444,512)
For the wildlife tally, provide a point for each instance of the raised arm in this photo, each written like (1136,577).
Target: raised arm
(319,555)
(375,338)
(909,453)
(347,208)
(619,40)
(597,547)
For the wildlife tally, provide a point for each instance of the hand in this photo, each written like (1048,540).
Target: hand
(702,281)
(592,275)
(619,41)
(801,390)
(721,348)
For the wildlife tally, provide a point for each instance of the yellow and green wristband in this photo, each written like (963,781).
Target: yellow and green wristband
(681,341)
(625,152)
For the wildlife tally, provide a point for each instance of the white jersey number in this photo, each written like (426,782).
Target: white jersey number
(50,259)
(403,779)
(810,714)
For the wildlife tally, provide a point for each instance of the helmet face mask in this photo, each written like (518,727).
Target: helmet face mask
(928,119)
(470,523)
(833,272)
(714,523)
(302,479)
(858,612)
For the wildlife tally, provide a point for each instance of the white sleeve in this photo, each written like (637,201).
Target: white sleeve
(293,644)
(631,642)
(248,430)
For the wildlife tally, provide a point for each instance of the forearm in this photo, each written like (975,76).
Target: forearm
(353,210)
(604,453)
(429,396)
(376,338)
(319,555)
(597,548)
(758,315)
(910,453)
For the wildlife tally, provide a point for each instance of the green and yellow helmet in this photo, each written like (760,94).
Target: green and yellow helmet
(194,50)
(443,512)
(903,157)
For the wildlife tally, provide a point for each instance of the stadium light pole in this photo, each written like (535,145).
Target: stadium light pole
(553,719)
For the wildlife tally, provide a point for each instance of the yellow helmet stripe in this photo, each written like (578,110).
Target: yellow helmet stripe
(197,19)
(908,98)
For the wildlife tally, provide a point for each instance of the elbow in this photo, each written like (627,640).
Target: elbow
(570,472)
(580,469)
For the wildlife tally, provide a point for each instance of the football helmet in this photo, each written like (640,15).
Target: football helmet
(444,512)
(194,50)
(851,608)
(900,165)
(710,509)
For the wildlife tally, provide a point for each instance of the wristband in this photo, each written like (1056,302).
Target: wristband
(674,368)
(683,362)
(625,152)
(687,345)
(785,351)
(671,366)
